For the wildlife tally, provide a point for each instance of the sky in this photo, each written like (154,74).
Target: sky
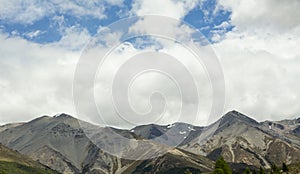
(256,43)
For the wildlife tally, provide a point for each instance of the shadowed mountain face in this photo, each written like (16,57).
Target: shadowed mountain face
(296,131)
(60,143)
(172,134)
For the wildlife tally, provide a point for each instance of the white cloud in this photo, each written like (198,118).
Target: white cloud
(73,38)
(259,83)
(170,8)
(33,34)
(223,25)
(260,58)
(143,86)
(35,79)
(173,28)
(267,16)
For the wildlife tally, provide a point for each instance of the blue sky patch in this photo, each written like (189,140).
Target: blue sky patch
(205,18)
(51,28)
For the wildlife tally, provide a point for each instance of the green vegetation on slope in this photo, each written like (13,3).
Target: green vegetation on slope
(222,167)
(294,168)
(12,162)
(16,168)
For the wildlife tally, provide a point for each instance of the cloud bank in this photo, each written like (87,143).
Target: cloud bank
(260,58)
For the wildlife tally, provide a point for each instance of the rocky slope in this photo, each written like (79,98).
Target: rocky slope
(60,143)
(12,162)
(10,125)
(240,139)
(175,161)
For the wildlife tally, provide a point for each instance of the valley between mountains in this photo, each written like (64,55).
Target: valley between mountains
(59,144)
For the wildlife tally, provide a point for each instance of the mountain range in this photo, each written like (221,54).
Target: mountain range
(61,143)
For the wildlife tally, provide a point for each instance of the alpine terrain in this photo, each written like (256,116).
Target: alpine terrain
(60,143)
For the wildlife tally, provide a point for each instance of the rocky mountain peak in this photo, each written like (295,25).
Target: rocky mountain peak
(62,115)
(234,116)
(67,119)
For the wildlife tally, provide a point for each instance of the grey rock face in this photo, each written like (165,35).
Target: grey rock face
(241,139)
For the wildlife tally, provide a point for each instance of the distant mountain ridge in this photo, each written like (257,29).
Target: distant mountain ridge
(60,143)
